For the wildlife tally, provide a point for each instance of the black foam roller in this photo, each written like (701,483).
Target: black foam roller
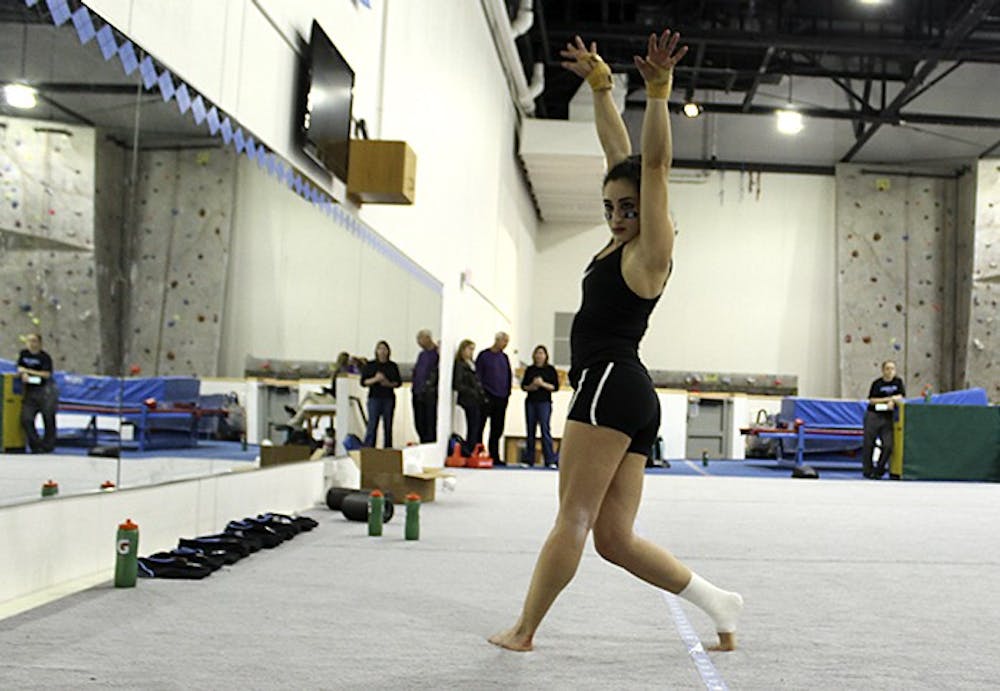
(336,495)
(354,506)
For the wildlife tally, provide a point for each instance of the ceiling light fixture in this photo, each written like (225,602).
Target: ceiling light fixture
(789,119)
(872,2)
(20,96)
(692,109)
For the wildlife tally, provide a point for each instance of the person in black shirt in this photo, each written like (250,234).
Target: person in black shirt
(539,380)
(882,397)
(614,416)
(382,377)
(40,394)
(471,395)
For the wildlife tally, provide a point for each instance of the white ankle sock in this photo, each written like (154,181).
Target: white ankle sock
(722,605)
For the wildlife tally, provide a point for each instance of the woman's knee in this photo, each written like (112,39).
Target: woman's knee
(613,545)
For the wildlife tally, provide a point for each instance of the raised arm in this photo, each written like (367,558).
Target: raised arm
(610,126)
(656,240)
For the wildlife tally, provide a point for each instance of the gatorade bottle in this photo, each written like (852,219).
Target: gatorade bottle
(412,531)
(126,554)
(376,507)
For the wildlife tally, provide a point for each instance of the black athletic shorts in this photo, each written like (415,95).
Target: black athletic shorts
(620,396)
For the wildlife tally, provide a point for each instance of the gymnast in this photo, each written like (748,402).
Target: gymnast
(614,414)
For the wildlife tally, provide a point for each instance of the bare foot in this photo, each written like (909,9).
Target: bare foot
(511,640)
(727,642)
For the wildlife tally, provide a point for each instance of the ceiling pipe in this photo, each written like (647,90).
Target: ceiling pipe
(504,34)
(524,19)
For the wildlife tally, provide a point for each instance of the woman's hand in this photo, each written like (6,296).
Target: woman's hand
(587,64)
(657,68)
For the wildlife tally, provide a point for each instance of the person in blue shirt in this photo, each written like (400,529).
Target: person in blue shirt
(424,389)
(496,376)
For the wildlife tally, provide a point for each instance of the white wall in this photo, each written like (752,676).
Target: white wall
(65,539)
(452,106)
(753,287)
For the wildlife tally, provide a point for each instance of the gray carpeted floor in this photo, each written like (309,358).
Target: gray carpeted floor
(849,585)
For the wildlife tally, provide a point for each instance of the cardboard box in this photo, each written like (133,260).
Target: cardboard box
(383,469)
(382,172)
(277,455)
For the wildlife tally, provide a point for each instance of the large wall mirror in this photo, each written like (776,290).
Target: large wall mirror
(161,263)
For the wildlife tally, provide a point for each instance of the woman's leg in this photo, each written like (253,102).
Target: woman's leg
(544,415)
(370,430)
(531,419)
(868,442)
(471,425)
(388,410)
(616,541)
(591,456)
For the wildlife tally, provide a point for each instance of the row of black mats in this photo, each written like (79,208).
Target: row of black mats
(197,557)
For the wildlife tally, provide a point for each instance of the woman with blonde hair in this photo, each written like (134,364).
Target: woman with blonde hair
(470,393)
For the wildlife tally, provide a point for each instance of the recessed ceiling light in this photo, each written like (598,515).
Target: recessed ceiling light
(20,96)
(789,121)
(692,109)
(873,2)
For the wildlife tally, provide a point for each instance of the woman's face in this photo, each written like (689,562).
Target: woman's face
(468,351)
(539,357)
(381,352)
(621,209)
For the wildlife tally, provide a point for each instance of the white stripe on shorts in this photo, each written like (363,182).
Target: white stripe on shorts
(597,394)
(579,385)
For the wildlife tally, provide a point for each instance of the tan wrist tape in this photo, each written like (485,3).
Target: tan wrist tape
(599,76)
(659,90)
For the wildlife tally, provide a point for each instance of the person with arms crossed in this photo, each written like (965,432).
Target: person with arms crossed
(883,395)
(34,366)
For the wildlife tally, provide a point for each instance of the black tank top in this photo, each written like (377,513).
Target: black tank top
(611,320)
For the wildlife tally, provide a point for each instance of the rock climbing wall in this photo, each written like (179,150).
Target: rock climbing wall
(47,273)
(983,354)
(180,257)
(964,256)
(111,196)
(896,278)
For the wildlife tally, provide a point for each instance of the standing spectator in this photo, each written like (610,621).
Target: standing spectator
(471,396)
(424,391)
(540,380)
(381,375)
(493,370)
(882,397)
(40,394)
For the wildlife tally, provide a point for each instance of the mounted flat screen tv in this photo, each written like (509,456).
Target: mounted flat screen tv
(327,90)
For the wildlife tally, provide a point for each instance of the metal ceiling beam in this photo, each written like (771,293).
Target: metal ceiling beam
(870,116)
(761,71)
(754,166)
(963,24)
(633,35)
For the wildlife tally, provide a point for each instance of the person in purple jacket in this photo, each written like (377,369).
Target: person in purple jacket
(495,374)
(424,390)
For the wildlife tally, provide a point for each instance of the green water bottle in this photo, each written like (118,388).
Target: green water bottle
(376,509)
(50,488)
(126,554)
(412,531)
